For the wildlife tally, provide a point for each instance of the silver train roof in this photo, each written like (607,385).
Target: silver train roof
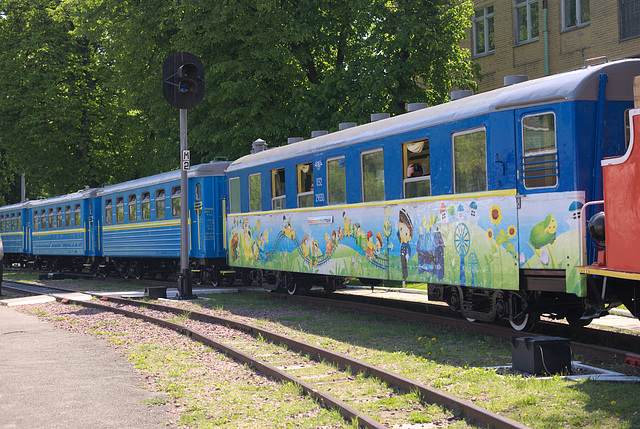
(580,84)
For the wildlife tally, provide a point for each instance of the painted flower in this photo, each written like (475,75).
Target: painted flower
(544,258)
(511,231)
(523,258)
(496,215)
(490,233)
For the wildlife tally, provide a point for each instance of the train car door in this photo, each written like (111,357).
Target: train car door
(198,222)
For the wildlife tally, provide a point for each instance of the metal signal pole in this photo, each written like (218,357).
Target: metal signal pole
(185,290)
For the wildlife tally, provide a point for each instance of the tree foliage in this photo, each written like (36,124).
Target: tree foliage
(83,101)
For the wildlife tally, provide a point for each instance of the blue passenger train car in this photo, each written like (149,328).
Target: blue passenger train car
(479,197)
(14,230)
(141,223)
(61,231)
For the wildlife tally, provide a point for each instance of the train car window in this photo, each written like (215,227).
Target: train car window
(627,129)
(51,219)
(278,193)
(43,220)
(77,211)
(108,213)
(36,221)
(372,175)
(175,201)
(305,185)
(336,181)
(59,217)
(470,161)
(13,221)
(133,207)
(255,193)
(146,206)
(120,209)
(19,221)
(1,222)
(67,216)
(161,204)
(417,170)
(198,196)
(234,195)
(540,161)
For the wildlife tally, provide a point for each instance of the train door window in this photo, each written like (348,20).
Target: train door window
(305,185)
(51,219)
(108,213)
(198,193)
(255,193)
(67,216)
(470,161)
(1,222)
(278,193)
(133,208)
(417,170)
(540,160)
(43,220)
(372,175)
(120,210)
(234,195)
(13,221)
(146,206)
(336,181)
(59,217)
(627,129)
(36,221)
(161,204)
(175,201)
(77,215)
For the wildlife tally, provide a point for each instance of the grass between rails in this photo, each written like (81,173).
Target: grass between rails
(443,358)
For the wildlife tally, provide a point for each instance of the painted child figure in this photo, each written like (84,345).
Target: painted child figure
(405,233)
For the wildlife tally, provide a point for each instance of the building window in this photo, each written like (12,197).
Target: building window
(527,20)
(417,170)
(540,162)
(305,185)
(278,194)
(470,161)
(176,208)
(146,206)
(336,181)
(234,195)
(483,39)
(629,11)
(373,175)
(255,193)
(574,13)
(161,205)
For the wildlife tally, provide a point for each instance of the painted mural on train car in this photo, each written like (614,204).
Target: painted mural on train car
(480,241)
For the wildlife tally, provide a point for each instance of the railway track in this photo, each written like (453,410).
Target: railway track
(287,360)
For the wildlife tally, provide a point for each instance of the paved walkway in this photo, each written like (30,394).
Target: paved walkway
(50,378)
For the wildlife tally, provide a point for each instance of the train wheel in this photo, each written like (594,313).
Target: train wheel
(290,285)
(523,321)
(574,318)
(246,277)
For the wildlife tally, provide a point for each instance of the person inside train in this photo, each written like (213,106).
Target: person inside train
(414,170)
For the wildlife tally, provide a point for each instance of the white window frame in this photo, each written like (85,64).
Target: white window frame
(329,183)
(549,152)
(486,15)
(362,155)
(453,156)
(517,4)
(579,22)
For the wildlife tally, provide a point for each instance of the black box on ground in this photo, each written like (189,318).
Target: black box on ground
(156,292)
(541,355)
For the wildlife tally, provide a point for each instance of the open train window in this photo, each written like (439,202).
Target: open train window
(120,209)
(417,170)
(278,193)
(372,175)
(255,193)
(470,161)
(305,185)
(108,213)
(146,206)
(161,204)
(67,216)
(336,181)
(52,219)
(43,220)
(133,208)
(77,211)
(175,201)
(540,151)
(234,195)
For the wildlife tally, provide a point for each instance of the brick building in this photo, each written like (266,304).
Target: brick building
(541,37)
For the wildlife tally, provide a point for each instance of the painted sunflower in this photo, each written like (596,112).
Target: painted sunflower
(511,231)
(496,215)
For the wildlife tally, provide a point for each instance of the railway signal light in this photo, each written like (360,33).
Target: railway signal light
(183,80)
